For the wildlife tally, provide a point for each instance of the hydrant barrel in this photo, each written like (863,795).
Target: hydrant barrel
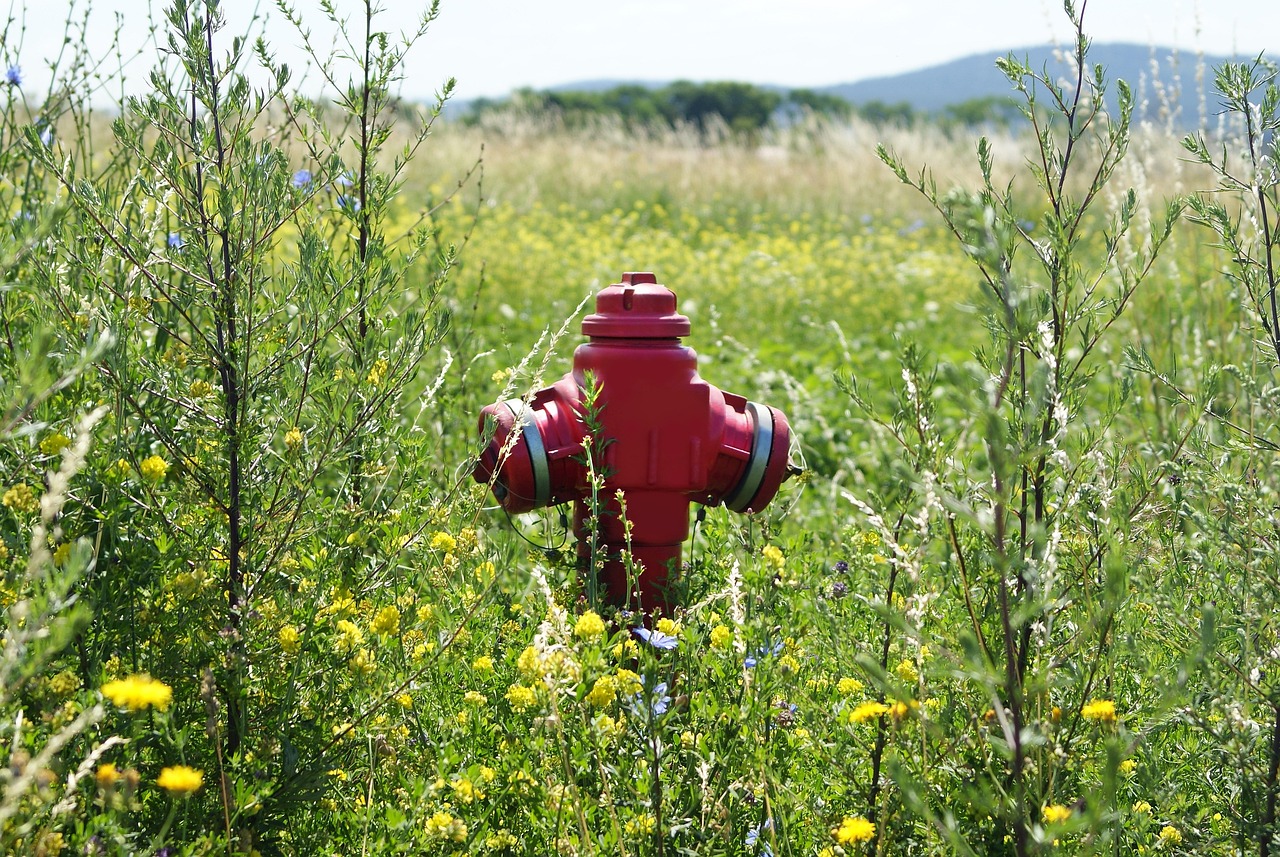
(668,439)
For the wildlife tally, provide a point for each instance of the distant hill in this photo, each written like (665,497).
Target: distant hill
(1146,69)
(1160,78)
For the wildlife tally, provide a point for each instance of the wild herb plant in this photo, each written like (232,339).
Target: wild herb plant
(1010,496)
(1225,520)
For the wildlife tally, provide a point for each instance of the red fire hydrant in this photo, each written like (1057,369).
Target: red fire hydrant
(670,439)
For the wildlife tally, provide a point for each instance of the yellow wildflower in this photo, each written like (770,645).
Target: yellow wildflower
(107,775)
(721,638)
(669,627)
(349,635)
(293,439)
(604,692)
(641,825)
(441,541)
(500,840)
(442,825)
(589,626)
(180,780)
(853,829)
(906,671)
(153,469)
(1055,813)
(629,682)
(1141,807)
(54,443)
(1128,767)
(387,622)
(527,663)
(848,685)
(404,700)
(1170,835)
(21,498)
(1103,710)
(520,697)
(465,790)
(290,639)
(201,388)
(773,557)
(138,692)
(64,683)
(868,711)
(474,697)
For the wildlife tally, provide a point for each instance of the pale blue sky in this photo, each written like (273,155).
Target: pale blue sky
(493,46)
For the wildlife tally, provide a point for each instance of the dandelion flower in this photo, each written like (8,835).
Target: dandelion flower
(107,775)
(138,692)
(1102,710)
(180,780)
(853,829)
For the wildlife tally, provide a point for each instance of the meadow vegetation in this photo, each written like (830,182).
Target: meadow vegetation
(1022,601)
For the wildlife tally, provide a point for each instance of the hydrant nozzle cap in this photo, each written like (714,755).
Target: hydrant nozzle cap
(636,308)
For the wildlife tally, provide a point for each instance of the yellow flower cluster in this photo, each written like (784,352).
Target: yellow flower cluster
(906,670)
(641,825)
(848,685)
(1055,813)
(721,638)
(521,697)
(1170,835)
(153,469)
(589,626)
(138,692)
(21,498)
(54,443)
(474,697)
(180,780)
(441,541)
(201,388)
(773,557)
(293,439)
(482,665)
(868,711)
(603,692)
(290,639)
(1102,710)
(387,622)
(853,829)
(442,825)
(64,683)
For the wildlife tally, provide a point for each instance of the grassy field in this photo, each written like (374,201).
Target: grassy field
(1022,600)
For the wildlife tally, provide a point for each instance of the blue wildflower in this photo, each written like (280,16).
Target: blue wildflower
(349,204)
(762,652)
(656,638)
(753,837)
(344,180)
(841,567)
(46,135)
(659,701)
(13,75)
(301,179)
(175,241)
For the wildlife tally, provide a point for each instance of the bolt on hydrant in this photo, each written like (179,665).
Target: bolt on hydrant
(669,439)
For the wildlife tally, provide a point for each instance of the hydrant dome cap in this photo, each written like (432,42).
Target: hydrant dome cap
(637,308)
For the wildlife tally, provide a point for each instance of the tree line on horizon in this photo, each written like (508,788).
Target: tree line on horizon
(744,108)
